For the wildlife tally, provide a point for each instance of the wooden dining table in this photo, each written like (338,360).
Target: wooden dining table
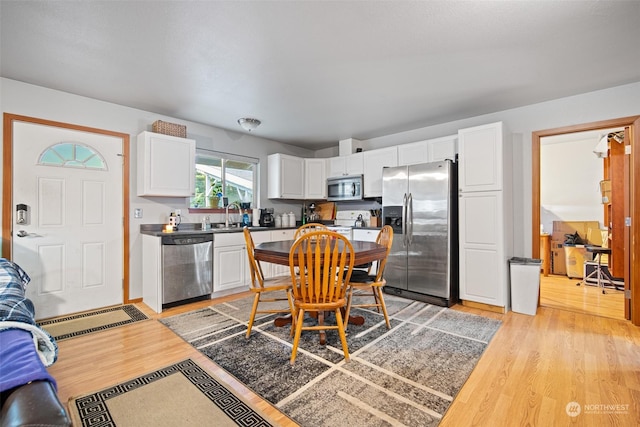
(278,253)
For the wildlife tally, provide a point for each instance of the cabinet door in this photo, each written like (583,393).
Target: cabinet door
(442,148)
(481,158)
(374,161)
(166,165)
(353,164)
(277,236)
(483,264)
(285,177)
(230,267)
(413,153)
(315,182)
(336,166)
(345,165)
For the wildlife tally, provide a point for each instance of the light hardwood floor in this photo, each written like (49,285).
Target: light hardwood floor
(532,369)
(562,292)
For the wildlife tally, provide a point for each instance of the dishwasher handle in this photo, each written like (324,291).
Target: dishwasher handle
(187,240)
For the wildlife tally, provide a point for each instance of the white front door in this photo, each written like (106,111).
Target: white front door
(71,242)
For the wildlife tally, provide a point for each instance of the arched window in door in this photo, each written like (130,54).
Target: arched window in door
(72,155)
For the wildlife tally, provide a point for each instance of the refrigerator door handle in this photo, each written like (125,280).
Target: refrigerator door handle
(410,219)
(404,220)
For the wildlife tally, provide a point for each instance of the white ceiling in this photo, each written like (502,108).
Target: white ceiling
(316,72)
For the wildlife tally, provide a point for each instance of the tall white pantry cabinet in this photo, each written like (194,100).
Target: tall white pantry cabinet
(485,215)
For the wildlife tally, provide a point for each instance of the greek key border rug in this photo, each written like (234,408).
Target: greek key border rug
(408,375)
(64,327)
(183,394)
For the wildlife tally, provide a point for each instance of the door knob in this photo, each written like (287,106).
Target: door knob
(22,233)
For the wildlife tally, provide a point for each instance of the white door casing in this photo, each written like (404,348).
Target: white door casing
(73,240)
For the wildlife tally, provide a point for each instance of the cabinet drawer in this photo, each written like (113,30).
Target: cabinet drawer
(278,235)
(228,239)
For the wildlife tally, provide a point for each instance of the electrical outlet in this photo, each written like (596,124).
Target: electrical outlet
(137,213)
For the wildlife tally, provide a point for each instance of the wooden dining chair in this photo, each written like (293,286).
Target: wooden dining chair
(323,255)
(363,283)
(261,286)
(307,228)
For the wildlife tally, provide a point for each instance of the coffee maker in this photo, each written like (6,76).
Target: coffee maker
(266,218)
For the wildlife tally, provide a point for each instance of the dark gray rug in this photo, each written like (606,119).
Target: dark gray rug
(406,375)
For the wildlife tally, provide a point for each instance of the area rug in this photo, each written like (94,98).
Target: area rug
(75,325)
(407,375)
(183,394)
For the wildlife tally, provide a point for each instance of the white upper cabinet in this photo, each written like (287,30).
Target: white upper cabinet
(443,148)
(315,182)
(285,175)
(481,158)
(431,150)
(413,153)
(166,165)
(374,161)
(351,164)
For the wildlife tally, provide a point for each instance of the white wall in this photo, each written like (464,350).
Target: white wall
(570,183)
(34,101)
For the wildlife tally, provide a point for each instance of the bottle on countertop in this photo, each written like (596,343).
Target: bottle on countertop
(245,219)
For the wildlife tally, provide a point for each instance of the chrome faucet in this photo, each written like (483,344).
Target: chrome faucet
(226,212)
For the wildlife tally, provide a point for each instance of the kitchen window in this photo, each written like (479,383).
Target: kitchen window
(235,177)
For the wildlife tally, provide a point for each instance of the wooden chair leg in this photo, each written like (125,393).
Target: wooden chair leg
(378,291)
(348,309)
(375,297)
(296,339)
(254,309)
(343,337)
(294,313)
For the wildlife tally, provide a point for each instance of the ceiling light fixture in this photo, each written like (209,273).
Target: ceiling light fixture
(249,124)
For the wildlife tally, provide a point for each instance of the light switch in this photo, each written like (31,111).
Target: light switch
(137,213)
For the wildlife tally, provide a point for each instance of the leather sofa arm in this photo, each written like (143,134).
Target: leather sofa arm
(33,404)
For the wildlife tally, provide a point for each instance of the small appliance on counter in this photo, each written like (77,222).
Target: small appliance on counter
(312,215)
(266,217)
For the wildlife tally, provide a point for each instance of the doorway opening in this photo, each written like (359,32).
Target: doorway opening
(573,166)
(627,233)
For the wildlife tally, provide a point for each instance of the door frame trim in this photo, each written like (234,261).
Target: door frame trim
(633,122)
(7,185)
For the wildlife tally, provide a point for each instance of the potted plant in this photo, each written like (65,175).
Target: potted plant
(215,194)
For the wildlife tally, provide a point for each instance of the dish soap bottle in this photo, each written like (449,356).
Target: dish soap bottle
(245,219)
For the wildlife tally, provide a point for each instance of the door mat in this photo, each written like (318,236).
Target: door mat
(408,375)
(65,327)
(183,394)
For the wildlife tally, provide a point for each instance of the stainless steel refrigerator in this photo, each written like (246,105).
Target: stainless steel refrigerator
(420,202)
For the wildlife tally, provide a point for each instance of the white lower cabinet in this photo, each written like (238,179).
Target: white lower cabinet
(277,236)
(230,262)
(483,250)
(366,236)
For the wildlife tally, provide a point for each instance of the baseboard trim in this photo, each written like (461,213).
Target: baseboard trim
(483,306)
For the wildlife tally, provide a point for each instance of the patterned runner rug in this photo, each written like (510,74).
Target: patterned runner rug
(75,325)
(407,375)
(183,394)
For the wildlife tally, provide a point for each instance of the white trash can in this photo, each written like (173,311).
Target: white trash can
(525,284)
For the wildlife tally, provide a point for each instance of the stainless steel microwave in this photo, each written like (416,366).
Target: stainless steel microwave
(344,188)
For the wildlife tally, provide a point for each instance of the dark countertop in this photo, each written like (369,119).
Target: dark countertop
(195,228)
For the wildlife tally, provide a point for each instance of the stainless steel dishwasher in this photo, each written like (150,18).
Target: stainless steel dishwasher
(187,267)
